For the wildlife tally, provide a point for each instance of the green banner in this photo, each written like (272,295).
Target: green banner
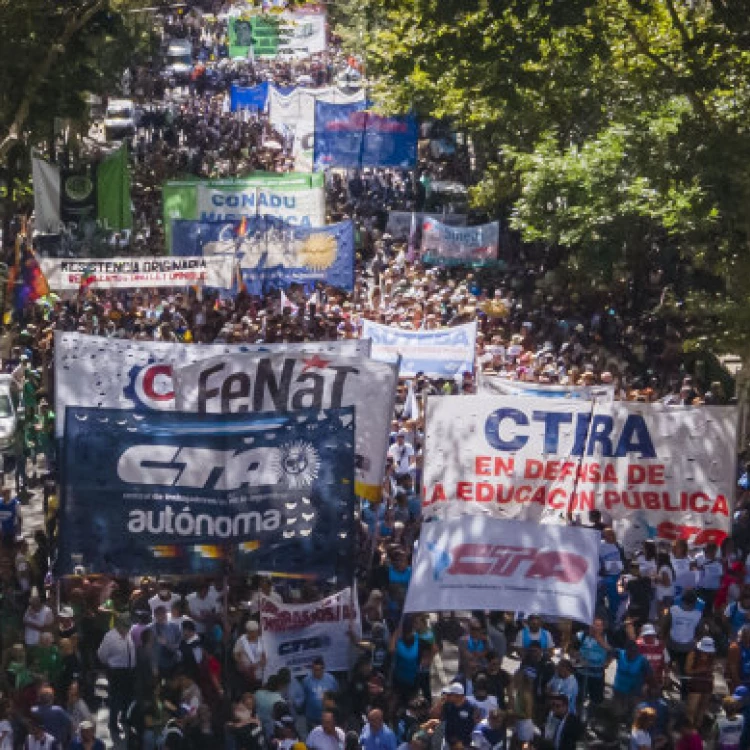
(113,191)
(240,37)
(265,36)
(294,198)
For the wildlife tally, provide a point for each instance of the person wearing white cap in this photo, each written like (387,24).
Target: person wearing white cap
(699,676)
(459,715)
(653,648)
(87,739)
(249,655)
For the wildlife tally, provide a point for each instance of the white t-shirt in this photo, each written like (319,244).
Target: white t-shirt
(319,740)
(41,618)
(610,558)
(662,592)
(684,578)
(728,732)
(485,706)
(401,455)
(710,572)
(156,601)
(198,607)
(639,738)
(6,732)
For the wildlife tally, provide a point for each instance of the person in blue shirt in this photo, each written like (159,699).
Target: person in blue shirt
(8,518)
(86,740)
(315,686)
(632,671)
(376,735)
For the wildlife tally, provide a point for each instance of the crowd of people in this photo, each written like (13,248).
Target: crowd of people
(179,662)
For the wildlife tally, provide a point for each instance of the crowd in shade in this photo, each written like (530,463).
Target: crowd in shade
(91,660)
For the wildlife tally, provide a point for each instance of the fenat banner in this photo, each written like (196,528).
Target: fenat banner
(292,199)
(446,245)
(478,563)
(127,273)
(399,222)
(497,386)
(271,254)
(249,97)
(112,373)
(657,472)
(293,635)
(350,136)
(179,493)
(287,382)
(295,111)
(442,353)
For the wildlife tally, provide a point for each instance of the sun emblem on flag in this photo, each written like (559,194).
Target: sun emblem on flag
(297,464)
(319,251)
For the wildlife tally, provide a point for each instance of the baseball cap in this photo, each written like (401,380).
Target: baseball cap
(706,645)
(251,626)
(455,688)
(86,724)
(648,629)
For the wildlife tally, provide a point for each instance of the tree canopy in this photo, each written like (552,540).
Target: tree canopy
(615,128)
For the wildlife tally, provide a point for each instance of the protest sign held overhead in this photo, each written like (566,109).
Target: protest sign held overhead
(497,386)
(442,353)
(475,563)
(659,472)
(295,634)
(160,492)
(283,382)
(132,374)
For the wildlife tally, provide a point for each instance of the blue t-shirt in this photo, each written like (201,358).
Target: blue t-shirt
(8,517)
(385,739)
(314,690)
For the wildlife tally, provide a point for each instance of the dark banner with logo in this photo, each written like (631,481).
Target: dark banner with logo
(188,493)
(77,196)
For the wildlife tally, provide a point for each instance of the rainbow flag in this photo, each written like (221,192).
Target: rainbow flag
(33,284)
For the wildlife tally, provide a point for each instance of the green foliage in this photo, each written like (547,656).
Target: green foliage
(615,128)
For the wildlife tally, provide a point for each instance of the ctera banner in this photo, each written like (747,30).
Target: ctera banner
(141,273)
(467,564)
(285,382)
(352,137)
(442,353)
(137,375)
(659,472)
(295,634)
(271,254)
(445,245)
(180,493)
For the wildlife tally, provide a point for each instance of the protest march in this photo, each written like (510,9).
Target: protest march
(303,450)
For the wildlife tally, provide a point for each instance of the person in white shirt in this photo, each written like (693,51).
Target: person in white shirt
(202,608)
(327,736)
(481,699)
(710,572)
(38,619)
(38,739)
(249,655)
(402,454)
(164,598)
(117,654)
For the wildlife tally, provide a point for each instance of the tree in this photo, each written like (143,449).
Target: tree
(53,54)
(616,128)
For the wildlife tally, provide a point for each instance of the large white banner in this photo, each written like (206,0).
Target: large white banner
(141,273)
(475,563)
(497,386)
(111,373)
(295,634)
(444,244)
(286,382)
(296,111)
(658,472)
(438,353)
(305,207)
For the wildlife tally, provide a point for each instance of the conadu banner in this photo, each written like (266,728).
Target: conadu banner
(658,472)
